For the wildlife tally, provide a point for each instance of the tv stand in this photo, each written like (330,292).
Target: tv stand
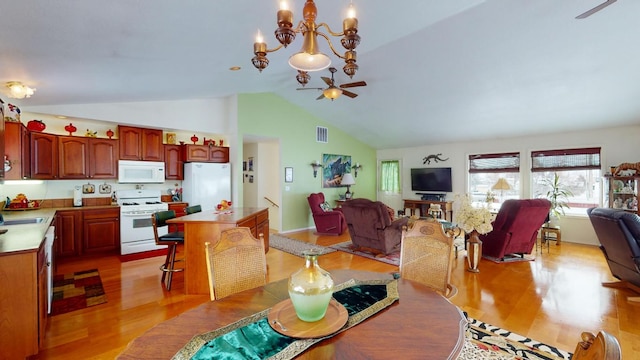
(423,206)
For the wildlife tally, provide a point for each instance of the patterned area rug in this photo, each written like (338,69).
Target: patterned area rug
(295,247)
(77,291)
(488,342)
(393,258)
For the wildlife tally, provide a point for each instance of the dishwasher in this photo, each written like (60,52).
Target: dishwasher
(48,248)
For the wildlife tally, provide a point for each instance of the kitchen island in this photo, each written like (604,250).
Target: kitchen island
(206,226)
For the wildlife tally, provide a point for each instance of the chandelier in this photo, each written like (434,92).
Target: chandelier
(310,58)
(19,91)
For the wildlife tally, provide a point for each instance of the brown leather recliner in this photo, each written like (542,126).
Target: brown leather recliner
(371,227)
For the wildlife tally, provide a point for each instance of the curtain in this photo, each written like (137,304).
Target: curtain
(390,176)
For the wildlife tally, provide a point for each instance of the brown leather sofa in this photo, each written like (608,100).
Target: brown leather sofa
(371,226)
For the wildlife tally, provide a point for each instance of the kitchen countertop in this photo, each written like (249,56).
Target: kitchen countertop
(28,237)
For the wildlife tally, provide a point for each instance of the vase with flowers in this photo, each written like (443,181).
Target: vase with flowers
(474,221)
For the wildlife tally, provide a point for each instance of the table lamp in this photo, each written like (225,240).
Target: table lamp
(347,179)
(501,185)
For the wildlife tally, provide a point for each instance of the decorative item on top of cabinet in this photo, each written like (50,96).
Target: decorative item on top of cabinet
(36,125)
(70,129)
(110,133)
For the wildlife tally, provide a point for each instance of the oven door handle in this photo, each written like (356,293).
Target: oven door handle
(144,214)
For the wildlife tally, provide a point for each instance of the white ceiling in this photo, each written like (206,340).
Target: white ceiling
(437,70)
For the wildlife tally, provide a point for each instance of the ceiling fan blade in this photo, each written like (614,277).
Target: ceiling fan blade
(349,94)
(309,89)
(320,97)
(595,9)
(327,80)
(353,84)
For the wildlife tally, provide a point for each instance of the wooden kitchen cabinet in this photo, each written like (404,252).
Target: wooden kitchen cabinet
(173,169)
(68,233)
(18,151)
(87,158)
(140,143)
(44,156)
(205,153)
(259,224)
(23,296)
(101,231)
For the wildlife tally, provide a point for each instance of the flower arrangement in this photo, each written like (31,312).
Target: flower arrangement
(471,218)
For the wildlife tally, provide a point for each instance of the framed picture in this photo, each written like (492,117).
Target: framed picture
(250,178)
(333,167)
(171,138)
(250,164)
(288,174)
(244,166)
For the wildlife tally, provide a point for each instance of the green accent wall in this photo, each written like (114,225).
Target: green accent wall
(268,115)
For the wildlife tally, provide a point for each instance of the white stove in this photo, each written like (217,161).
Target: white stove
(136,229)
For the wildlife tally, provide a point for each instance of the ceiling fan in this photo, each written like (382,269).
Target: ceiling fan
(595,9)
(332,92)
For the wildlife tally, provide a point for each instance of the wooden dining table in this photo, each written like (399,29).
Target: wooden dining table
(422,324)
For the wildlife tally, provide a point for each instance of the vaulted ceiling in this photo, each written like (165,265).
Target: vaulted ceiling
(437,71)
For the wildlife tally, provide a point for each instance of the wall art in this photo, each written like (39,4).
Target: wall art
(333,167)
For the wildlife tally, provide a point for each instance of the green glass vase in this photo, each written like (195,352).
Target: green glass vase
(310,289)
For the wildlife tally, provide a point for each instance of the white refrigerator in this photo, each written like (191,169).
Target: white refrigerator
(206,184)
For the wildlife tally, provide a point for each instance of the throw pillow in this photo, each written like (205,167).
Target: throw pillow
(325,206)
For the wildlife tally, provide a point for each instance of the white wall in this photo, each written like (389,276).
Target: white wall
(618,145)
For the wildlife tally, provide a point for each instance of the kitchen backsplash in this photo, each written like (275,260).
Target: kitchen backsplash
(63,189)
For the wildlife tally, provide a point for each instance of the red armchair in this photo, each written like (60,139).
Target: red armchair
(329,222)
(515,228)
(371,226)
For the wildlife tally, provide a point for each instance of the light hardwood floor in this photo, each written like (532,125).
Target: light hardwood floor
(552,299)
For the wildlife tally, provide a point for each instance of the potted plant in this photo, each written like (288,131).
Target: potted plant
(559,195)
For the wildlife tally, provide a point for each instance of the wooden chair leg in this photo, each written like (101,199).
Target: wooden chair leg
(164,266)
(172,262)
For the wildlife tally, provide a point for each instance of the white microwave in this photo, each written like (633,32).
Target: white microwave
(140,172)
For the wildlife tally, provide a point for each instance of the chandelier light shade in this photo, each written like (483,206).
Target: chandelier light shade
(310,58)
(19,91)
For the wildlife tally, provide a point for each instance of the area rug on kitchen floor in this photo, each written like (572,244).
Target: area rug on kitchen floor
(484,341)
(295,247)
(77,291)
(392,259)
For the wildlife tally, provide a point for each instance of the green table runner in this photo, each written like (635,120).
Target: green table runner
(253,338)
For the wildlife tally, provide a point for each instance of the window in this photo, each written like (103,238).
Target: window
(486,170)
(390,176)
(578,170)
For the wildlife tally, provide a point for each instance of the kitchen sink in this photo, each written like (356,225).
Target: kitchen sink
(35,220)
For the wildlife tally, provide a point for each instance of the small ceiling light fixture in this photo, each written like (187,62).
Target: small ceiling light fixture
(310,58)
(19,91)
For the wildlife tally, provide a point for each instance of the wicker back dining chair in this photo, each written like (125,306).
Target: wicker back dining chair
(236,262)
(172,239)
(192,209)
(426,256)
(603,346)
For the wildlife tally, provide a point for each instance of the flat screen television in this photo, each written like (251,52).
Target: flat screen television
(431,179)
